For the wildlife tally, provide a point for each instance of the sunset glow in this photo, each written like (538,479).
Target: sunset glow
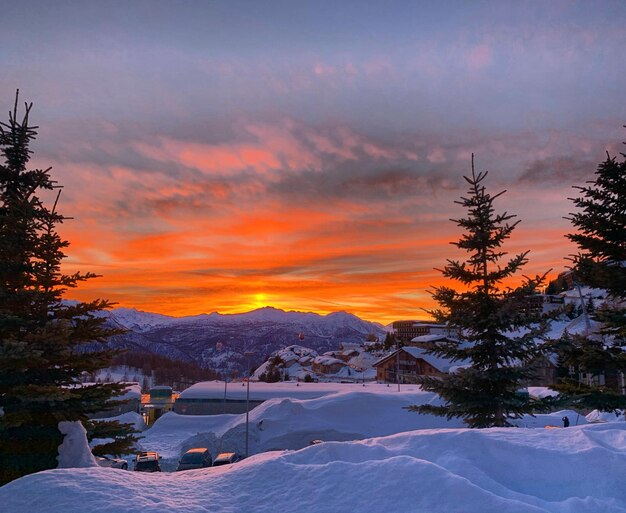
(230,156)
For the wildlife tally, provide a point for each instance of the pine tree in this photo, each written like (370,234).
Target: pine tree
(390,341)
(40,335)
(600,224)
(600,235)
(487,392)
(120,437)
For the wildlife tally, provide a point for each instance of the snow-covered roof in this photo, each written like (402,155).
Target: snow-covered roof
(260,391)
(133,391)
(328,360)
(441,364)
(429,338)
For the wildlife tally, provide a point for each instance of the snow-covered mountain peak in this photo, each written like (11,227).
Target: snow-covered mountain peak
(133,319)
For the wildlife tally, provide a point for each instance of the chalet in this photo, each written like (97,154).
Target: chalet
(407,364)
(327,364)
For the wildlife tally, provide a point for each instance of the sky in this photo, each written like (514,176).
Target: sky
(224,156)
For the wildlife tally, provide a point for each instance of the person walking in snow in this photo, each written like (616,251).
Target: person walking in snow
(565,421)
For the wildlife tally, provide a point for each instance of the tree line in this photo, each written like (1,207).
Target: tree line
(160,370)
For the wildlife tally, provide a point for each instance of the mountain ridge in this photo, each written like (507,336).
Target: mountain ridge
(219,341)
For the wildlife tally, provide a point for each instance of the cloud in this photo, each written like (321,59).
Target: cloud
(479,57)
(558,170)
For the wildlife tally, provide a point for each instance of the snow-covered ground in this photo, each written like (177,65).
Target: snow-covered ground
(416,463)
(575,470)
(335,412)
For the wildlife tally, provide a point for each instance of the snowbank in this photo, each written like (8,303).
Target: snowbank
(348,412)
(541,392)
(130,417)
(260,391)
(603,416)
(74,451)
(578,470)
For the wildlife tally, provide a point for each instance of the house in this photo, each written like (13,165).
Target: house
(327,364)
(160,400)
(407,364)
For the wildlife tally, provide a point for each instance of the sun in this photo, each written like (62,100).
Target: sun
(260,300)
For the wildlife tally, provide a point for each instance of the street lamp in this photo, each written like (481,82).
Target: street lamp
(247,354)
(219,347)
(398,363)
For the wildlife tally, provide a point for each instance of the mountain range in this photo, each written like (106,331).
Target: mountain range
(219,341)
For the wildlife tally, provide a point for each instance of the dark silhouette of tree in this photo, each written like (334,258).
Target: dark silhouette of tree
(598,354)
(40,364)
(498,362)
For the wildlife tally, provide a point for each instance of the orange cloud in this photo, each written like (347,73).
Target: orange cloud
(287,215)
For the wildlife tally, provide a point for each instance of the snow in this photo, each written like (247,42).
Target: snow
(541,392)
(441,364)
(74,451)
(260,391)
(331,412)
(353,361)
(574,470)
(131,318)
(328,360)
(130,417)
(603,416)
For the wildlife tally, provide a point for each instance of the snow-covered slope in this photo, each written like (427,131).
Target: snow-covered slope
(579,470)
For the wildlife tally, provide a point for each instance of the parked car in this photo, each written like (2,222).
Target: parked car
(105,461)
(147,462)
(226,458)
(199,457)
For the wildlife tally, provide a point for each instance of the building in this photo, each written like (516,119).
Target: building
(407,364)
(405,331)
(160,400)
(327,364)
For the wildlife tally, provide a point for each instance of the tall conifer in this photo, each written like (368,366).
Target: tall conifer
(40,335)
(600,223)
(497,334)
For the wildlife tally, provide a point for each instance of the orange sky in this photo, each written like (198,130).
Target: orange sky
(222,156)
(185,247)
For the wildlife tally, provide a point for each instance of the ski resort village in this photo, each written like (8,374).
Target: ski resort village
(312,257)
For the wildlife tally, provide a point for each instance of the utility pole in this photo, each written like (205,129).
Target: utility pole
(398,363)
(248,354)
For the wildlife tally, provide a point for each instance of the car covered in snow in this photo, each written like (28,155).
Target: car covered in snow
(226,458)
(200,457)
(147,462)
(106,461)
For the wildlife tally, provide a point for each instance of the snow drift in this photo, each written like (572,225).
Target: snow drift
(579,469)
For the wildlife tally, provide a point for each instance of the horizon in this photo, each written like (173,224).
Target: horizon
(228,157)
(268,307)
